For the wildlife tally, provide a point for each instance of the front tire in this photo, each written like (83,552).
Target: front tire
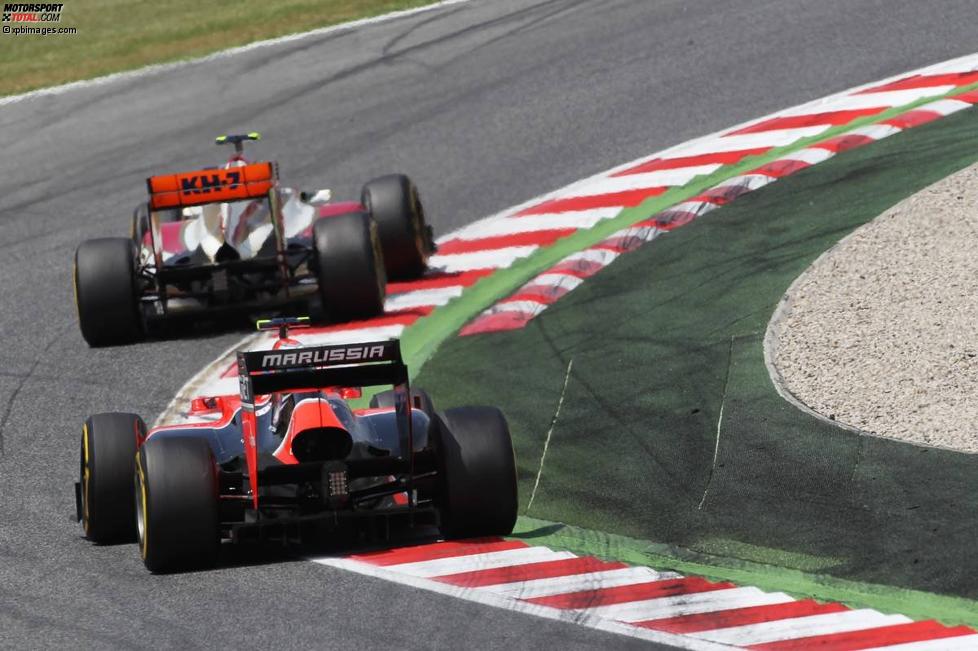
(108,460)
(177,510)
(394,204)
(478,473)
(106,291)
(350,267)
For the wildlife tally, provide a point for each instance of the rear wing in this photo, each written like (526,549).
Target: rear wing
(251,181)
(348,365)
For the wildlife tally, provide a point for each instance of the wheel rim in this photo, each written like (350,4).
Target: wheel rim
(381,275)
(86,477)
(140,491)
(416,223)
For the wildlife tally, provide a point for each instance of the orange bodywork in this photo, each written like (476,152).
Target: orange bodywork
(209,186)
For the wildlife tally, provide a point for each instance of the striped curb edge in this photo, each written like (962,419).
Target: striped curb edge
(531,299)
(684,611)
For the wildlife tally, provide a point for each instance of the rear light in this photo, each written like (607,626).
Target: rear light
(336,490)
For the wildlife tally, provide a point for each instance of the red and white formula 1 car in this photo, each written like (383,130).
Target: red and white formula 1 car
(233,238)
(288,459)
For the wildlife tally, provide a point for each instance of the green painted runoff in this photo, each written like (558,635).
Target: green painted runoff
(667,334)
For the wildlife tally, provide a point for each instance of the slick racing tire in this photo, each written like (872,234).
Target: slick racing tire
(478,473)
(108,460)
(394,204)
(419,400)
(350,267)
(177,510)
(106,291)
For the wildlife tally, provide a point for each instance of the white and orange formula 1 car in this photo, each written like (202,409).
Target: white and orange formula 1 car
(234,239)
(289,460)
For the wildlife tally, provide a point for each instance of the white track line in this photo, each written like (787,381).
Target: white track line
(476,562)
(493,259)
(550,431)
(874,131)
(657,179)
(811,155)
(530,223)
(738,142)
(688,604)
(960,643)
(645,232)
(490,599)
(945,106)
(597,256)
(883,99)
(553,280)
(749,181)
(222,54)
(580,582)
(422,298)
(698,208)
(797,627)
(522,306)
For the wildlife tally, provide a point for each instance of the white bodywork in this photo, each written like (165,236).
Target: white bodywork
(243,225)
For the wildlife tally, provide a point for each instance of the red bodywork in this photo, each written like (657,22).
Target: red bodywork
(309,414)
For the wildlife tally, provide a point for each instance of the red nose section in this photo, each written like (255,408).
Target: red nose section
(314,430)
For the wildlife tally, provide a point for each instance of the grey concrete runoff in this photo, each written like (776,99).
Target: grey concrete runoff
(486,104)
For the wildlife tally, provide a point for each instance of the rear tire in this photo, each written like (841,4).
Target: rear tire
(394,204)
(419,400)
(177,505)
(140,225)
(478,470)
(350,267)
(108,460)
(106,291)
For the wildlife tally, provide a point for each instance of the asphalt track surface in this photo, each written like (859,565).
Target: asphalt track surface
(486,104)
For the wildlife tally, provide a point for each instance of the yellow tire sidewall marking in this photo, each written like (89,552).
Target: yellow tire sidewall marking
(74,286)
